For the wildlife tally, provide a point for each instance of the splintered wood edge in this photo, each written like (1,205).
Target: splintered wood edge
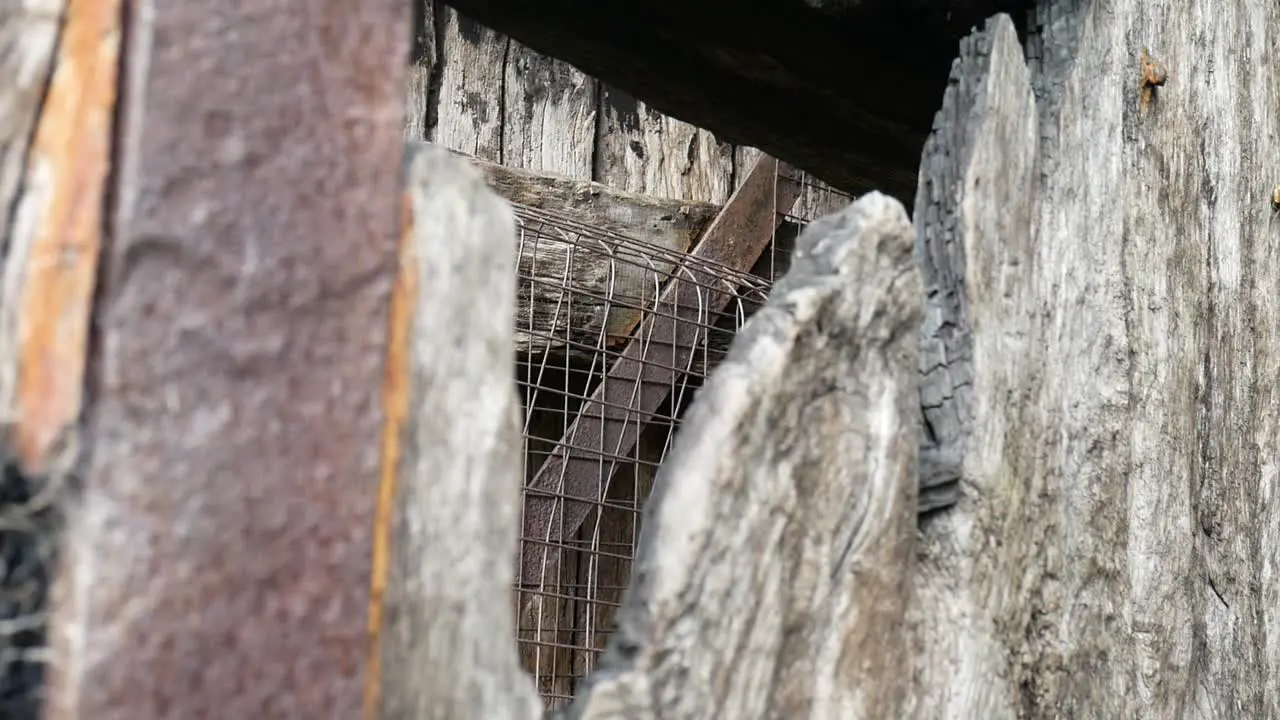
(395,401)
(65,185)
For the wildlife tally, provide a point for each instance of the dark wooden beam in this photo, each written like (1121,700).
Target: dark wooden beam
(846,90)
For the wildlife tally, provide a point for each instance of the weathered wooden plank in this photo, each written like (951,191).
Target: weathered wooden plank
(670,224)
(448,644)
(591,263)
(845,90)
(641,150)
(425,69)
(472,61)
(560,496)
(773,573)
(217,556)
(1111,371)
(549,115)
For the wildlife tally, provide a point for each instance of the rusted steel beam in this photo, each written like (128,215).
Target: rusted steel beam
(217,560)
(572,479)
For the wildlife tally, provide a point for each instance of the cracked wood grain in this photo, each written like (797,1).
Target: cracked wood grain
(773,570)
(1104,364)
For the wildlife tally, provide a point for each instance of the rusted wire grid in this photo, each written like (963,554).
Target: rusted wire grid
(567,609)
(572,608)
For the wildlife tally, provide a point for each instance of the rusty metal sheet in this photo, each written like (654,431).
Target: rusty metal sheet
(217,564)
(571,480)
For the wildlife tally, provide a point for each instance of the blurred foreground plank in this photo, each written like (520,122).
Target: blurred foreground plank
(217,559)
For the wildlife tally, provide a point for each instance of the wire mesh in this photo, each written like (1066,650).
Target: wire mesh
(613,336)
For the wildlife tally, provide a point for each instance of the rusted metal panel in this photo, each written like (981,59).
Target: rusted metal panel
(636,385)
(218,560)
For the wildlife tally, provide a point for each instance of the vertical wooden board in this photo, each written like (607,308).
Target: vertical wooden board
(469,105)
(420,113)
(644,151)
(549,115)
(217,560)
(744,158)
(448,648)
(773,572)
(1115,551)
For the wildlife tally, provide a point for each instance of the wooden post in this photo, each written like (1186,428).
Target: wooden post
(448,645)
(217,558)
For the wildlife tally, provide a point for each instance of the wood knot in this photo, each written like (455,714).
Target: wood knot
(1275,198)
(1154,75)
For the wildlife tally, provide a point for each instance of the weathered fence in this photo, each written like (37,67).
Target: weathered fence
(1083,323)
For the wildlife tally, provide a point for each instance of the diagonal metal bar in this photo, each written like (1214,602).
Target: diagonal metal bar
(572,479)
(217,562)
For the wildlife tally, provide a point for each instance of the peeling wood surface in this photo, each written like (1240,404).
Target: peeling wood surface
(1111,373)
(449,644)
(234,436)
(774,568)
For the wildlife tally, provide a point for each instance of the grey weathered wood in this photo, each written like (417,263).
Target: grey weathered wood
(548,114)
(609,279)
(843,89)
(468,112)
(774,566)
(449,641)
(643,150)
(1104,309)
(478,92)
(424,69)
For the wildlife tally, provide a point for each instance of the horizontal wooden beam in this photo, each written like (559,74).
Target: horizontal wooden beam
(845,90)
(576,251)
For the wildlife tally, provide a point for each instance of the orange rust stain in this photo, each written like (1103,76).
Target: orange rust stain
(72,148)
(395,401)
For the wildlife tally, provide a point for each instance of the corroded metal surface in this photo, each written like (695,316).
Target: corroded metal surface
(218,561)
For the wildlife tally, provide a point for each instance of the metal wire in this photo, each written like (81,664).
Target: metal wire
(591,300)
